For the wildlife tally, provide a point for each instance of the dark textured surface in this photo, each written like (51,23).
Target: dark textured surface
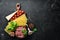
(43,13)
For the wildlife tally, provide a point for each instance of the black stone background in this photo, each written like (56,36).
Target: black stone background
(45,14)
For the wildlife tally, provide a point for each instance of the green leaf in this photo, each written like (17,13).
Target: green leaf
(24,31)
(34,30)
(10,28)
(12,25)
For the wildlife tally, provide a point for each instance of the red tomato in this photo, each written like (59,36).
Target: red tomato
(22,11)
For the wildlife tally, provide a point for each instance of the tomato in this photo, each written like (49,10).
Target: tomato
(22,11)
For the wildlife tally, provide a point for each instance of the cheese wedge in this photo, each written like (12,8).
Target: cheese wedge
(6,29)
(21,20)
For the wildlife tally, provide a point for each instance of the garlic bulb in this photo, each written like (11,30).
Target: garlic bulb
(29,32)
